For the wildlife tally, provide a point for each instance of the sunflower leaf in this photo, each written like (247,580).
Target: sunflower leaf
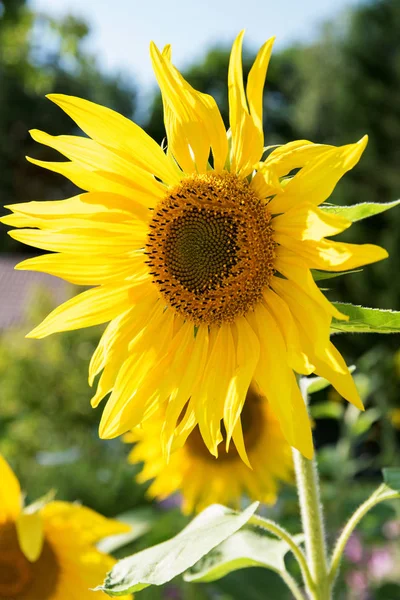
(391,477)
(161,563)
(366,320)
(321,275)
(249,547)
(357,212)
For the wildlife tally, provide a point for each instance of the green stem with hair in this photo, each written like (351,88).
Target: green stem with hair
(313,523)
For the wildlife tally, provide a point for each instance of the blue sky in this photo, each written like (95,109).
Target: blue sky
(122,29)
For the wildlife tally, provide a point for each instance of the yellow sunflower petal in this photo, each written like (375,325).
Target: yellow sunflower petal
(91,181)
(93,271)
(305,310)
(120,326)
(297,358)
(94,157)
(185,372)
(293,155)
(99,239)
(333,256)
(88,525)
(307,222)
(112,130)
(94,205)
(289,265)
(278,383)
(89,308)
(247,355)
(256,81)
(209,399)
(130,396)
(317,179)
(10,493)
(30,534)
(332,367)
(193,120)
(247,139)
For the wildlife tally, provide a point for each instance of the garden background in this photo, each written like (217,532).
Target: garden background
(340,81)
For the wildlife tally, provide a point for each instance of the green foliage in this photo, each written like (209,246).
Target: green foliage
(249,547)
(391,477)
(366,320)
(358,212)
(48,430)
(162,563)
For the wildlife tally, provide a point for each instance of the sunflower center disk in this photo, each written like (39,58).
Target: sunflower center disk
(210,248)
(20,578)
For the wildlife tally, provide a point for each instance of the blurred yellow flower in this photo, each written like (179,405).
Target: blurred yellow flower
(200,258)
(203,479)
(394,417)
(47,552)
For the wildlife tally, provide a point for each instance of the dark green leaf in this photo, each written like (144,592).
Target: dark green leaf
(321,275)
(163,562)
(366,320)
(327,410)
(252,584)
(357,212)
(391,476)
(249,547)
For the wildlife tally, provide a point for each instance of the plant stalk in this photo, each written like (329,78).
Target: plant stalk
(313,523)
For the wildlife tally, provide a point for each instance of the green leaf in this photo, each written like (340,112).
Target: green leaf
(364,421)
(161,563)
(252,584)
(327,410)
(366,320)
(249,547)
(321,275)
(391,476)
(357,212)
(141,521)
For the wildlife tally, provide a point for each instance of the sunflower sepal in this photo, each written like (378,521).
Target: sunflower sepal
(358,212)
(365,320)
(150,567)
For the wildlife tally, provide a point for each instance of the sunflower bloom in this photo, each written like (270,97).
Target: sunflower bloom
(203,479)
(49,553)
(199,258)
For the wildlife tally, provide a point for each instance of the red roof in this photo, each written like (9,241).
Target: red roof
(18,287)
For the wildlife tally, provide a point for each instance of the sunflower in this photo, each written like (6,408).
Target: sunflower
(203,479)
(199,257)
(47,551)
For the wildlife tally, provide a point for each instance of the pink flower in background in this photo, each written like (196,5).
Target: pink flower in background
(380,563)
(357,582)
(354,549)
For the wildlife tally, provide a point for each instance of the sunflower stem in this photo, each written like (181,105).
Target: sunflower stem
(313,523)
(292,585)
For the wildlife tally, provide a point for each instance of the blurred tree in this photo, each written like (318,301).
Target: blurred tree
(39,55)
(350,86)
